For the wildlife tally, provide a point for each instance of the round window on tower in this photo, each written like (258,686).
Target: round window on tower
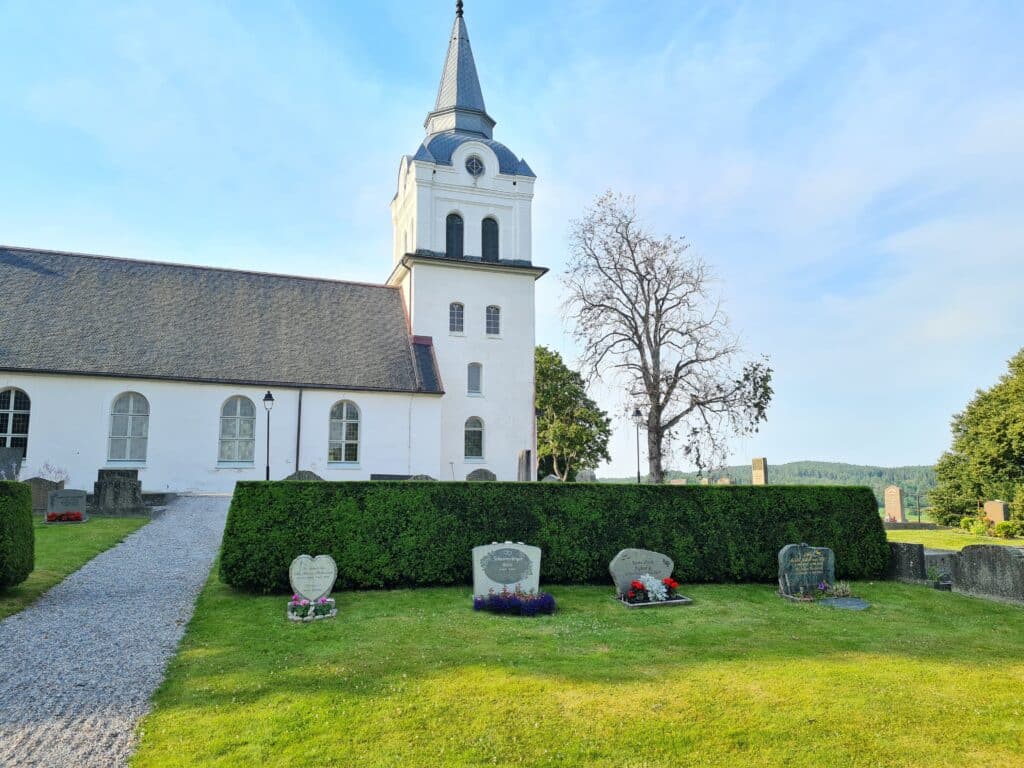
(475,166)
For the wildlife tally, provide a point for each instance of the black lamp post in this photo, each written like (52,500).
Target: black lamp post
(268,403)
(637,418)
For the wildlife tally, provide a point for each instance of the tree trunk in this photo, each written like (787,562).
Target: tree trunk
(654,458)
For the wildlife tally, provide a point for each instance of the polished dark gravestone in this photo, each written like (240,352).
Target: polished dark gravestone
(10,463)
(481,475)
(802,568)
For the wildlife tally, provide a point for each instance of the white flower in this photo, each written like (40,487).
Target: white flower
(656,591)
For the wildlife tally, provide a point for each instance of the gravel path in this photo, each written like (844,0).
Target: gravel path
(77,668)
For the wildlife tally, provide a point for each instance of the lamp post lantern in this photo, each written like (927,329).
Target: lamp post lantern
(637,418)
(268,403)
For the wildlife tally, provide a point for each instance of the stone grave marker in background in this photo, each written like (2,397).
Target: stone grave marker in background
(304,475)
(586,476)
(481,474)
(631,564)
(313,577)
(118,492)
(41,488)
(803,567)
(725,481)
(524,466)
(551,479)
(64,501)
(10,463)
(996,511)
(506,566)
(894,504)
(759,471)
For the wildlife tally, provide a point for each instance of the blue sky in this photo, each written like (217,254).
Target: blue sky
(854,172)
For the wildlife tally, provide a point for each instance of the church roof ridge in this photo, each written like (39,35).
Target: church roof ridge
(204,267)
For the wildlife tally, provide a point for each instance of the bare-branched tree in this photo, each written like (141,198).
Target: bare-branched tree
(642,310)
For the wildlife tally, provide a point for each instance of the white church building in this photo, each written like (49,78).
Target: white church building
(165,368)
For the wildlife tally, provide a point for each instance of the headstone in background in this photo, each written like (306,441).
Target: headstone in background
(64,501)
(10,463)
(313,577)
(304,474)
(759,471)
(725,481)
(551,479)
(803,567)
(508,566)
(586,476)
(997,511)
(677,481)
(422,478)
(524,466)
(894,504)
(480,475)
(118,492)
(631,564)
(906,561)
(41,488)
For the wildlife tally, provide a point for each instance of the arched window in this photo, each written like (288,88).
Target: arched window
(129,428)
(493,321)
(237,430)
(474,438)
(343,445)
(453,236)
(489,239)
(475,379)
(14,411)
(455,317)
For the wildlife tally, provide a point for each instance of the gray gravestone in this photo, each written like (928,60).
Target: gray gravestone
(481,474)
(631,564)
(508,566)
(423,478)
(551,479)
(803,567)
(313,577)
(586,476)
(10,463)
(304,475)
(41,488)
(906,561)
(67,501)
(989,570)
(118,492)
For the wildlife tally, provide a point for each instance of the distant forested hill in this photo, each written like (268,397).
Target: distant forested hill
(911,479)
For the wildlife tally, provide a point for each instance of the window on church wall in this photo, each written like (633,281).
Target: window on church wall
(129,428)
(493,321)
(343,445)
(237,430)
(456,316)
(475,379)
(14,412)
(474,437)
(454,236)
(489,239)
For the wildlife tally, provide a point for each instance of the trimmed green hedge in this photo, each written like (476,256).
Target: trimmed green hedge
(408,534)
(17,536)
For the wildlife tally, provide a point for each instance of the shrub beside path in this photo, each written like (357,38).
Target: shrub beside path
(80,664)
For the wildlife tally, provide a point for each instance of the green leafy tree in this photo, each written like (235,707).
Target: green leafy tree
(986,460)
(572,432)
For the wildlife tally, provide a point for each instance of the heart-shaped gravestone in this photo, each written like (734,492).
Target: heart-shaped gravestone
(313,577)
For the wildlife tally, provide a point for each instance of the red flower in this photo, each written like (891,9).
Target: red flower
(631,594)
(637,585)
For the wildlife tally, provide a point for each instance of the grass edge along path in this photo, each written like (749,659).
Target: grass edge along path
(61,549)
(740,678)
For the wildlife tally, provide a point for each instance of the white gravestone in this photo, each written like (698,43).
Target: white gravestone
(508,566)
(313,577)
(631,564)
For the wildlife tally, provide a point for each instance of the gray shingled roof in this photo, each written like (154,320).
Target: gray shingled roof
(75,313)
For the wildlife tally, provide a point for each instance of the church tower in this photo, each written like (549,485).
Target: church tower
(462,256)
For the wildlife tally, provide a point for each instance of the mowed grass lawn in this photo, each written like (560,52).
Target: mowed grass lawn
(949,538)
(740,678)
(62,549)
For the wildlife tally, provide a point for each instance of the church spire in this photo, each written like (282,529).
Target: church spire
(460,101)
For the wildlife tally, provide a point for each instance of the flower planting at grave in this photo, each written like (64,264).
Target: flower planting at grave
(64,517)
(823,591)
(301,609)
(517,603)
(648,589)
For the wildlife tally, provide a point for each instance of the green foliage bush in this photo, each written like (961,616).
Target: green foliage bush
(968,522)
(408,534)
(980,527)
(17,536)
(1006,529)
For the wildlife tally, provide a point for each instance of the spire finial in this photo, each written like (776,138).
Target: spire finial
(458,8)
